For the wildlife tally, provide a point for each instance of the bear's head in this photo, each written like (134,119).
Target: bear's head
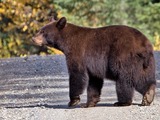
(50,33)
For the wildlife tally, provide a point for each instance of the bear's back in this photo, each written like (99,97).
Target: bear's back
(116,40)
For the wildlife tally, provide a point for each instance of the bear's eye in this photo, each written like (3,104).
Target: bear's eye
(42,31)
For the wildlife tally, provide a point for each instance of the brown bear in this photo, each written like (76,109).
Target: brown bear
(117,52)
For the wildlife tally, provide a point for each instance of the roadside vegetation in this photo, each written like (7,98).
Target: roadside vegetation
(20,20)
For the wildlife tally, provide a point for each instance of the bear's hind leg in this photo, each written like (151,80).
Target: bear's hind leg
(93,91)
(125,92)
(148,94)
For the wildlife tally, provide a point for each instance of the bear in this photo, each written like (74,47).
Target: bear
(117,52)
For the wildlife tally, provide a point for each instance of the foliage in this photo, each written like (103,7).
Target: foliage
(93,13)
(157,42)
(143,15)
(20,19)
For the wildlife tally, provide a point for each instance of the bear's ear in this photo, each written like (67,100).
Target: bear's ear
(61,23)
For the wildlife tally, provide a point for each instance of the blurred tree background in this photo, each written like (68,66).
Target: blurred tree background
(20,20)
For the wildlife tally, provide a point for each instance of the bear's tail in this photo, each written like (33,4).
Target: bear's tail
(148,58)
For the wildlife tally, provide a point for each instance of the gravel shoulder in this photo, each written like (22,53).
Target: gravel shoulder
(97,113)
(36,88)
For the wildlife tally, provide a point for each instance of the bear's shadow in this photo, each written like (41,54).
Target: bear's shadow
(65,106)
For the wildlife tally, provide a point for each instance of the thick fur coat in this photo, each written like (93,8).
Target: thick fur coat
(119,53)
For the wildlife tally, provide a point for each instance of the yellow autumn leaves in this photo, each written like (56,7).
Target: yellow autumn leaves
(157,42)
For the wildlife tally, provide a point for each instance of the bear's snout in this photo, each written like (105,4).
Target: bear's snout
(33,39)
(39,40)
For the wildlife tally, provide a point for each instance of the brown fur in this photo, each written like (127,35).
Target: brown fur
(119,53)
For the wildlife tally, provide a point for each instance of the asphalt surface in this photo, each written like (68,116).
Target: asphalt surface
(40,84)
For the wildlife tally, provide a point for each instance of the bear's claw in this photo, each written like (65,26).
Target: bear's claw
(74,102)
(88,105)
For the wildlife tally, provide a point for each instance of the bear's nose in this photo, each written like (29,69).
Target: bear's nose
(33,39)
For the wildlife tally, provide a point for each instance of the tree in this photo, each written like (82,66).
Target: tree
(143,15)
(93,13)
(19,20)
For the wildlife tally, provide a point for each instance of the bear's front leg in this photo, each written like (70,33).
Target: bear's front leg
(77,83)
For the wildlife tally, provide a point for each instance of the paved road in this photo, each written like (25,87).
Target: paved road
(42,82)
(38,81)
